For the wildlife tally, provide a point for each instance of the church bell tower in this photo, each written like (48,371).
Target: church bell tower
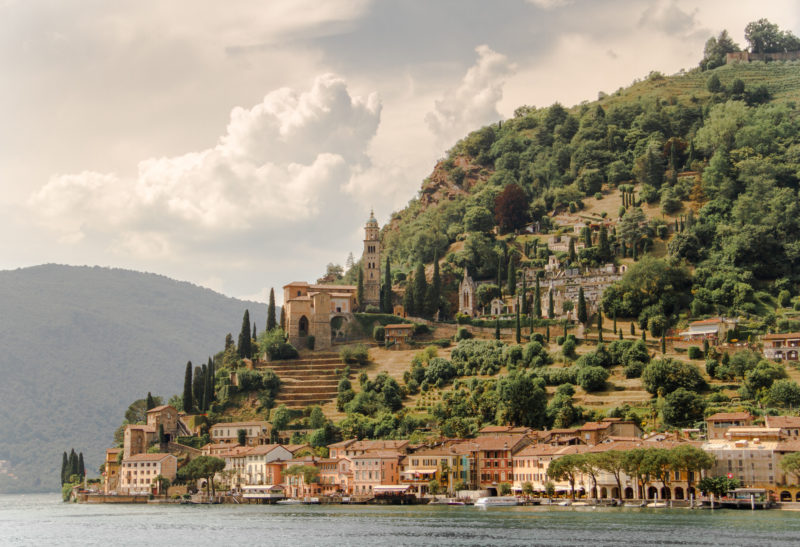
(371,264)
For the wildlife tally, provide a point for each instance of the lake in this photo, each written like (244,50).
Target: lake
(45,520)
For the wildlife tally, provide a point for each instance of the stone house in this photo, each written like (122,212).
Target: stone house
(136,439)
(256,432)
(375,468)
(717,425)
(138,473)
(782,347)
(166,416)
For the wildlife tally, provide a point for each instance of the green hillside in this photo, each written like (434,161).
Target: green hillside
(79,344)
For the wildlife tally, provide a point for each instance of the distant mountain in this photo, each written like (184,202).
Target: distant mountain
(79,344)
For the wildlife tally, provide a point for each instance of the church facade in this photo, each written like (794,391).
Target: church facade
(322,311)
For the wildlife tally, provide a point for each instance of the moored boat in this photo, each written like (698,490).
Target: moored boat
(497,501)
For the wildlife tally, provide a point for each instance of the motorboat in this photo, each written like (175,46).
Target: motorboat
(289,501)
(497,501)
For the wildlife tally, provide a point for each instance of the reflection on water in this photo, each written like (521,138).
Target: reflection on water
(44,520)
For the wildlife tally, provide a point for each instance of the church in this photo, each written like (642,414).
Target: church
(322,311)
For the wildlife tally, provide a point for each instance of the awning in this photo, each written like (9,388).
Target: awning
(419,472)
(391,489)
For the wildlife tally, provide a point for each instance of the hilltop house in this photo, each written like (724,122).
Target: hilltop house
(782,347)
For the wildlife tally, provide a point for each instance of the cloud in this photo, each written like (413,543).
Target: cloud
(474,102)
(279,164)
(667,17)
(549,4)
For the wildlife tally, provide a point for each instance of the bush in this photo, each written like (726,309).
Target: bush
(568,348)
(668,375)
(683,407)
(785,393)
(439,369)
(421,328)
(274,344)
(378,333)
(535,355)
(560,340)
(592,378)
(358,353)
(472,357)
(634,369)
(463,333)
(695,352)
(555,376)
(372,309)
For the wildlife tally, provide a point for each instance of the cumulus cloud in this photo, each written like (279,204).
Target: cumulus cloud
(279,163)
(474,102)
(667,16)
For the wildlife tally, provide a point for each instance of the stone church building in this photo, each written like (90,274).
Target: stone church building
(322,311)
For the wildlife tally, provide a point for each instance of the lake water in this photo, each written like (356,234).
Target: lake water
(45,520)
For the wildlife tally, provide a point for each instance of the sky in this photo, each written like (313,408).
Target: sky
(241,145)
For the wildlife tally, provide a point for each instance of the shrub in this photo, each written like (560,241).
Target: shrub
(695,352)
(634,369)
(421,328)
(378,333)
(463,333)
(372,309)
(274,344)
(478,357)
(439,369)
(568,348)
(358,353)
(592,378)
(668,375)
(555,376)
(683,407)
(534,355)
(560,340)
(785,393)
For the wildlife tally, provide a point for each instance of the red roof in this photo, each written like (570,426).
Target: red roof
(786,336)
(725,416)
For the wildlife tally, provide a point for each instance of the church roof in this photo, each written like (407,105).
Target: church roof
(371,220)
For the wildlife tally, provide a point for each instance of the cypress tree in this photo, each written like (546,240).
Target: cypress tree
(604,249)
(705,347)
(386,303)
(525,310)
(500,275)
(420,289)
(188,404)
(497,329)
(255,334)
(663,344)
(64,468)
(162,437)
(550,304)
(512,277)
(435,288)
(518,333)
(582,316)
(360,288)
(633,329)
(599,327)
(537,300)
(408,300)
(81,467)
(283,319)
(197,387)
(150,403)
(614,315)
(73,464)
(228,341)
(244,337)
(530,325)
(572,255)
(547,333)
(620,334)
(206,400)
(271,323)
(565,329)
(212,375)
(587,237)
(644,335)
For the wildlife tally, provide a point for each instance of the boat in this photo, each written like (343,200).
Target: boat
(311,501)
(635,504)
(564,503)
(656,505)
(497,501)
(289,501)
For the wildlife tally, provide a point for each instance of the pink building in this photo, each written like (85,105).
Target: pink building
(138,473)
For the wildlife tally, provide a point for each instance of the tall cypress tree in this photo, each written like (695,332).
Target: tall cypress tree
(386,301)
(551,307)
(271,323)
(149,402)
(497,329)
(244,337)
(602,242)
(162,437)
(500,275)
(614,315)
(518,333)
(537,300)
(64,468)
(582,316)
(512,277)
(587,237)
(663,344)
(599,326)
(197,387)
(360,289)
(188,403)
(547,333)
(212,376)
(283,319)
(572,256)
(420,289)
(255,334)
(525,310)
(81,466)
(435,288)
(73,464)
(409,305)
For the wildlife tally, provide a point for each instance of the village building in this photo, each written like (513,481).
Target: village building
(136,439)
(449,464)
(139,473)
(592,433)
(789,425)
(493,457)
(713,330)
(111,470)
(782,347)
(375,468)
(717,425)
(371,263)
(256,432)
(398,335)
(167,417)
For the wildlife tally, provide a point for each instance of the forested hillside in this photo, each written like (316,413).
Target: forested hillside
(702,169)
(79,344)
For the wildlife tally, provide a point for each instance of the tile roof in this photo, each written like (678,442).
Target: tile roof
(147,457)
(786,336)
(782,421)
(724,416)
(160,408)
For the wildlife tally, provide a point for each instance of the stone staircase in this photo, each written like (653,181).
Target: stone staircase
(307,381)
